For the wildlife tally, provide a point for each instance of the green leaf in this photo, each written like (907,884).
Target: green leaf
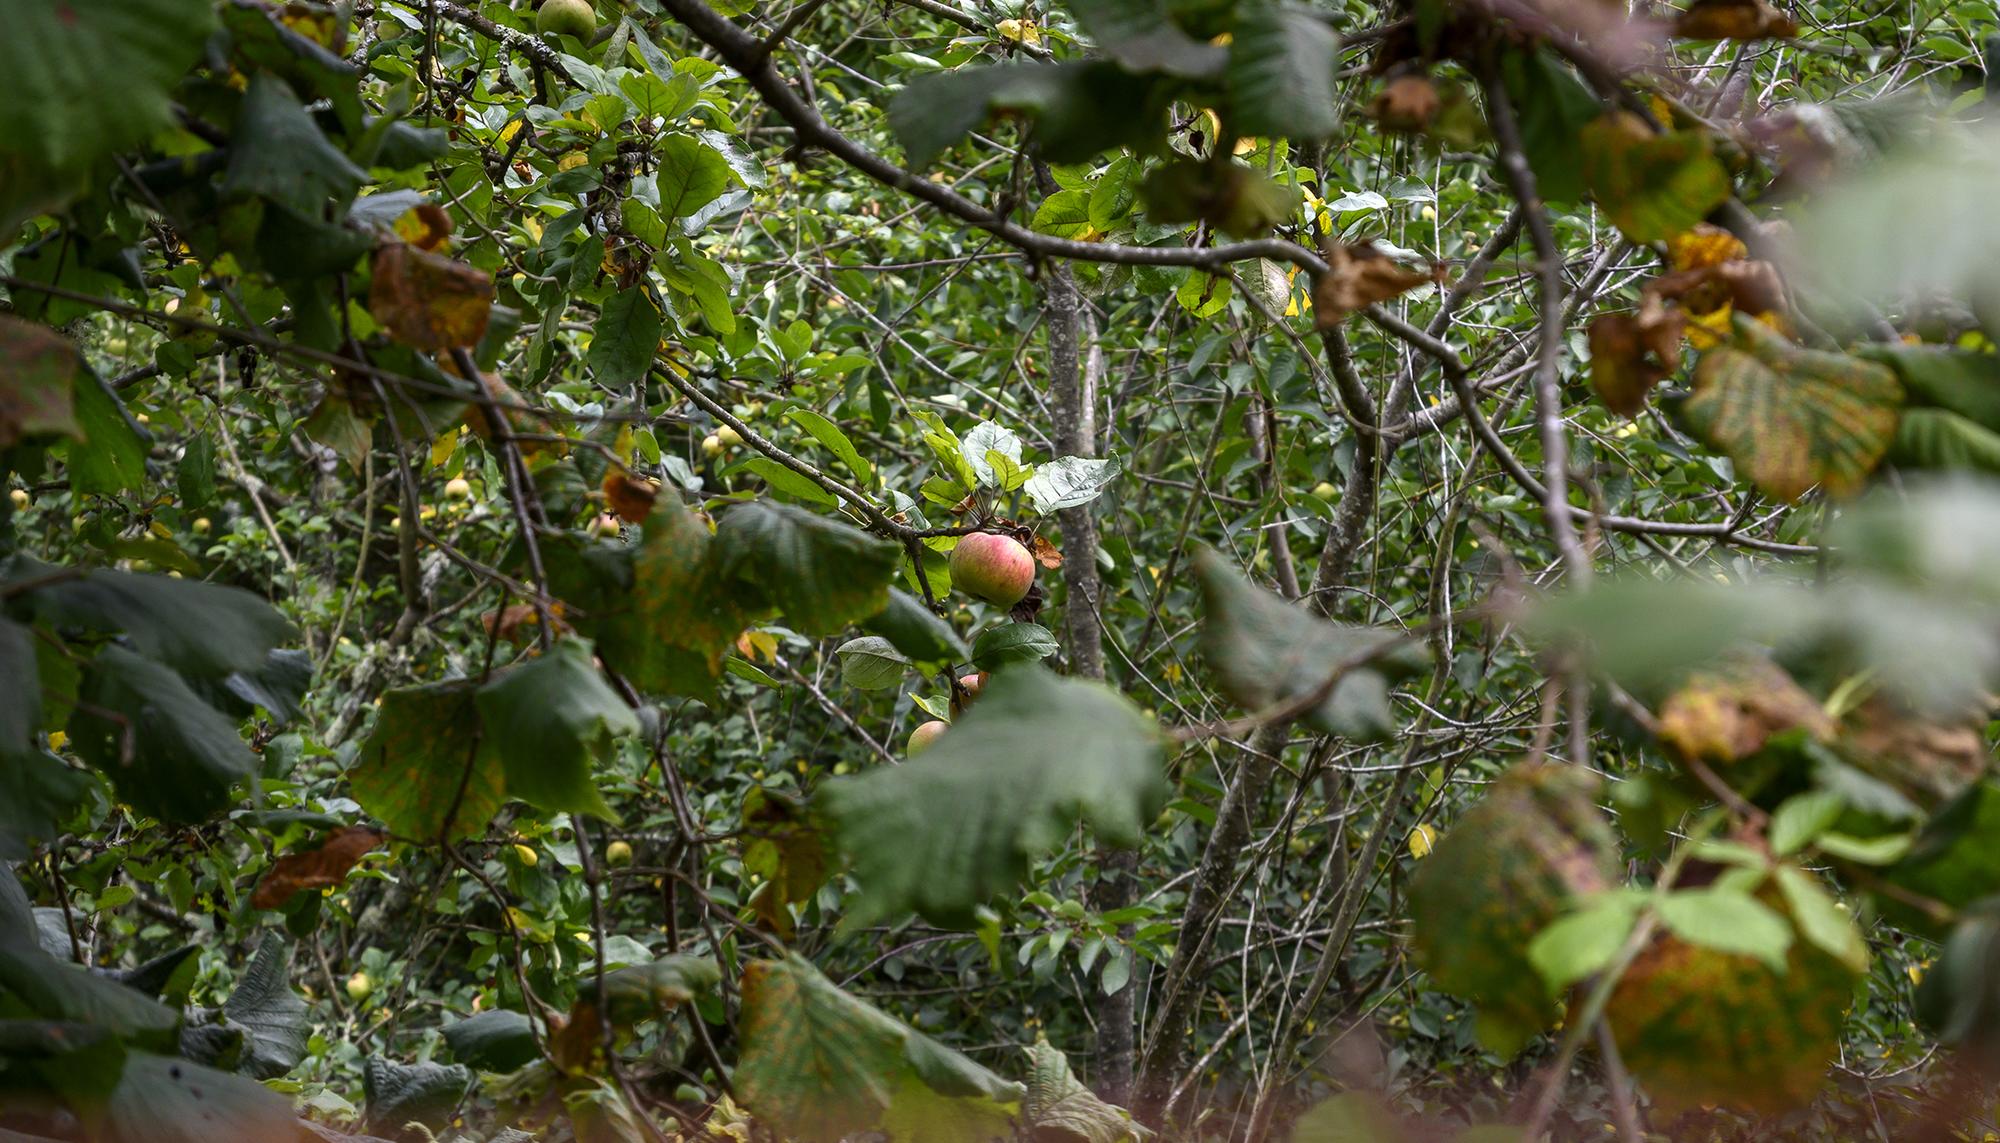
(399,1094)
(1059,1106)
(162,1099)
(997,647)
(984,439)
(549,719)
(194,477)
(1553,106)
(98,74)
(1281,65)
(822,574)
(1652,186)
(1938,439)
(1583,943)
(1267,651)
(1351,1117)
(917,631)
(273,1016)
(278,152)
(871,663)
(1142,37)
(111,456)
(203,629)
(670,615)
(1793,418)
(1820,919)
(1064,214)
(1728,921)
(494,1041)
(1801,818)
(1066,100)
(945,832)
(1114,194)
(786,482)
(1956,380)
(39,372)
(1070,482)
(424,769)
(625,338)
(21,698)
(692,175)
(170,754)
(645,991)
(827,433)
(37,792)
(818,1065)
(37,984)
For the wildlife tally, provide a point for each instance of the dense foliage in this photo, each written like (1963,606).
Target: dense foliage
(642,570)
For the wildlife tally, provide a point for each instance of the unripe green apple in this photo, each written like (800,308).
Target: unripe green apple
(201,526)
(729,437)
(359,987)
(618,854)
(567,18)
(21,499)
(922,737)
(1325,491)
(992,567)
(711,445)
(457,488)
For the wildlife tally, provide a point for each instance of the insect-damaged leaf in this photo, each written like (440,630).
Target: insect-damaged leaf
(429,301)
(425,770)
(1266,652)
(1792,418)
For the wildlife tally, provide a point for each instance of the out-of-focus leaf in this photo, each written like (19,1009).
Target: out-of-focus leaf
(1553,106)
(161,1099)
(194,627)
(1141,36)
(549,719)
(1500,876)
(1058,1106)
(1651,185)
(1280,73)
(1729,713)
(428,301)
(1066,100)
(1357,277)
(1730,921)
(496,1040)
(871,663)
(819,1065)
(1734,20)
(279,153)
(401,1094)
(1266,652)
(39,370)
(169,753)
(916,631)
(820,573)
(1793,418)
(943,833)
(39,985)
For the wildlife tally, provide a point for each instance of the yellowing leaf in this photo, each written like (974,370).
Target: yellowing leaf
(1651,185)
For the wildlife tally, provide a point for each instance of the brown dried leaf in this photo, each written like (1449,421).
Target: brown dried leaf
(1406,103)
(1046,554)
(1631,353)
(1930,760)
(1734,20)
(425,226)
(38,368)
(513,622)
(1706,244)
(1357,277)
(319,868)
(1723,715)
(631,499)
(429,301)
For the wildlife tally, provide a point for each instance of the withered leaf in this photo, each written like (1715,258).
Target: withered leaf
(1734,20)
(320,868)
(1631,353)
(1723,715)
(425,226)
(630,498)
(1046,554)
(427,300)
(38,366)
(1357,277)
(1406,103)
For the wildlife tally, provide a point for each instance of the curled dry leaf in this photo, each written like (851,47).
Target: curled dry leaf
(1734,20)
(429,301)
(514,622)
(319,868)
(630,498)
(1406,103)
(1631,353)
(1046,554)
(1357,277)
(425,226)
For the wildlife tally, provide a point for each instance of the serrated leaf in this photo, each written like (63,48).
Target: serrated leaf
(1281,73)
(625,338)
(691,175)
(1801,818)
(997,647)
(871,663)
(169,753)
(1064,214)
(1793,418)
(1820,919)
(273,1016)
(819,1065)
(424,769)
(1267,651)
(1582,943)
(111,457)
(943,833)
(820,573)
(549,719)
(1058,1104)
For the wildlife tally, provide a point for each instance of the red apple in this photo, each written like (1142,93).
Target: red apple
(992,567)
(923,736)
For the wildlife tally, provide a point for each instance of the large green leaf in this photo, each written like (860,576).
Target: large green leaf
(1530,849)
(1066,101)
(170,754)
(691,175)
(626,337)
(1141,36)
(272,1015)
(401,1094)
(1942,440)
(1281,65)
(279,153)
(1267,651)
(549,719)
(37,791)
(822,574)
(668,630)
(425,769)
(200,628)
(111,457)
(85,80)
(1058,1106)
(1553,107)
(495,1040)
(21,699)
(820,1065)
(916,631)
(1793,418)
(1652,186)
(1958,380)
(36,984)
(1007,783)
(161,1099)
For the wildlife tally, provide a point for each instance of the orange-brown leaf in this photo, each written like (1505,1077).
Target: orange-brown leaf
(1407,103)
(1734,20)
(630,498)
(1722,716)
(425,226)
(319,868)
(1357,277)
(429,301)
(1046,554)
(1706,244)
